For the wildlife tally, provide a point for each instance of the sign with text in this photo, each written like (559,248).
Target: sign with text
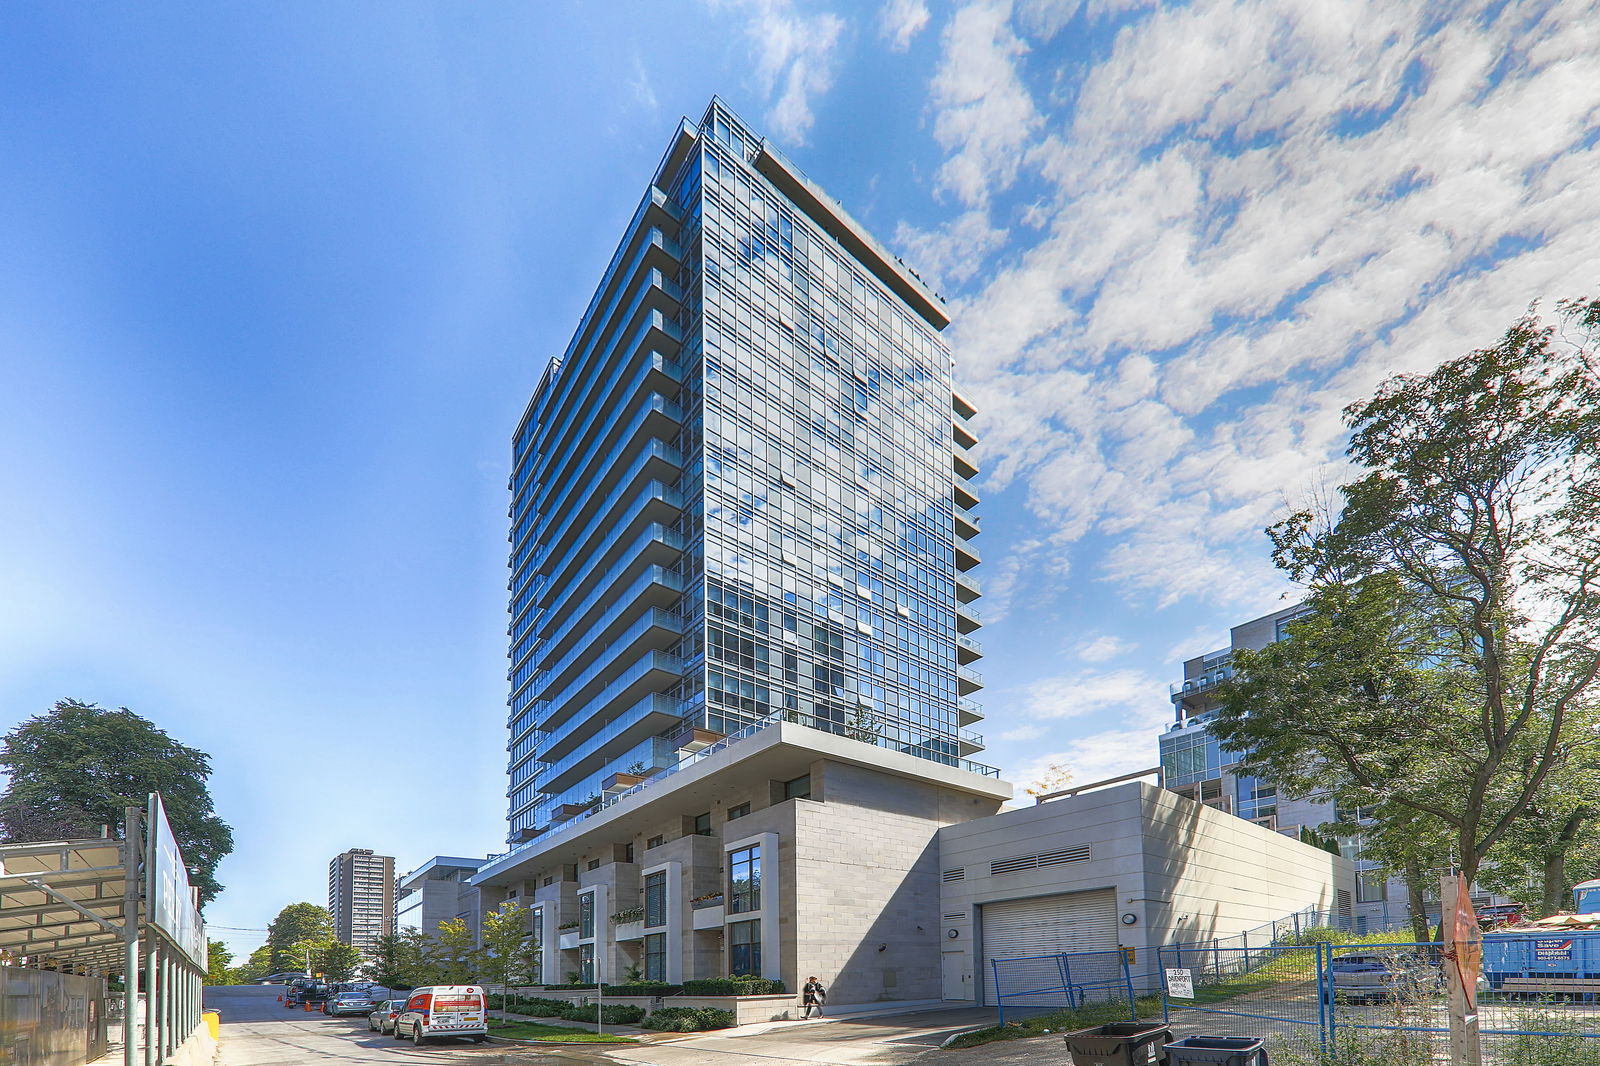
(170,900)
(1552,949)
(1180,984)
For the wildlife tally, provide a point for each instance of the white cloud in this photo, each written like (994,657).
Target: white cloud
(984,115)
(1247,214)
(796,57)
(1089,693)
(1104,647)
(901,21)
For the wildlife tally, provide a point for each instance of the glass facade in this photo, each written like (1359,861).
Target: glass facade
(740,494)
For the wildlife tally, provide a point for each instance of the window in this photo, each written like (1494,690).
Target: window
(655,957)
(653,842)
(702,824)
(586,915)
(627,852)
(548,882)
(655,899)
(738,811)
(594,864)
(586,963)
(799,788)
(744,948)
(535,940)
(1372,886)
(744,881)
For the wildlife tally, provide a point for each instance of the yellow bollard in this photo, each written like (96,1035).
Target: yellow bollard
(213,1020)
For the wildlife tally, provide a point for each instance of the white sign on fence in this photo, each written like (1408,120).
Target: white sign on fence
(1180,984)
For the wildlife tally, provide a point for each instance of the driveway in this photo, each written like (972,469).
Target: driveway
(258,1031)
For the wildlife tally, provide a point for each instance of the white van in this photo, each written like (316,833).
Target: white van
(443,1010)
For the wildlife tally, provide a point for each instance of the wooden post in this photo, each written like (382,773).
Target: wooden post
(1463,956)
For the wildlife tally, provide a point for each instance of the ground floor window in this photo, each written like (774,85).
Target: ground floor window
(744,948)
(586,963)
(655,957)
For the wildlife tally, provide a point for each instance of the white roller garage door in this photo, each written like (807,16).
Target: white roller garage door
(1046,925)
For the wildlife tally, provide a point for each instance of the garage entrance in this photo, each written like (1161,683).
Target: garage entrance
(1046,925)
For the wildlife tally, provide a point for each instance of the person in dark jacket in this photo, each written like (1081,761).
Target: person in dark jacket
(812,997)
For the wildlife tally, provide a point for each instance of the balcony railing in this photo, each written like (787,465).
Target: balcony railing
(1194,686)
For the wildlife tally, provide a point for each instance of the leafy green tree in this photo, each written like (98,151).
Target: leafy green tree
(393,963)
(1447,665)
(504,959)
(337,961)
(456,953)
(257,966)
(297,927)
(217,959)
(74,769)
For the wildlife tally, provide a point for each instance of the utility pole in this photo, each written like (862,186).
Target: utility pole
(1463,958)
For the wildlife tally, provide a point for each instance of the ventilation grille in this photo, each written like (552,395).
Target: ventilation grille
(1033,862)
(958,916)
(958,874)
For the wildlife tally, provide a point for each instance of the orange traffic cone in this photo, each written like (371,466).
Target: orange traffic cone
(308,1007)
(280,999)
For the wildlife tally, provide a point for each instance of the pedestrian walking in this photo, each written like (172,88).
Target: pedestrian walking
(813,996)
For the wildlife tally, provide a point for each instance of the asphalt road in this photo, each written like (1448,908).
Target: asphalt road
(258,1031)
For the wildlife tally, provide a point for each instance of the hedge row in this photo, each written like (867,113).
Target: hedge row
(733,986)
(688,1019)
(539,1007)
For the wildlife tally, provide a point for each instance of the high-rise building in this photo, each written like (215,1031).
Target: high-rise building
(743,489)
(361,897)
(742,517)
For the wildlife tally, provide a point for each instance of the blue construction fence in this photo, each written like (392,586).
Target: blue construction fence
(1537,1002)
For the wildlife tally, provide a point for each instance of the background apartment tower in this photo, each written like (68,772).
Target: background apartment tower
(361,897)
(742,491)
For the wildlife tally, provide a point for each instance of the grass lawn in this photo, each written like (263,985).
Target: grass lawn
(540,1031)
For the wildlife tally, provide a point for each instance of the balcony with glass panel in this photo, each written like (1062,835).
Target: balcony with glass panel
(968,618)
(967,523)
(967,556)
(967,650)
(968,680)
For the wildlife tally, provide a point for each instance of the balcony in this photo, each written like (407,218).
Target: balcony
(968,618)
(967,524)
(963,436)
(569,940)
(967,650)
(967,588)
(967,680)
(968,711)
(711,917)
(1198,686)
(961,405)
(965,497)
(966,555)
(965,468)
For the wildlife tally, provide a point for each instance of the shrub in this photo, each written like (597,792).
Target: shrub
(689,1019)
(539,1007)
(733,986)
(644,988)
(611,1014)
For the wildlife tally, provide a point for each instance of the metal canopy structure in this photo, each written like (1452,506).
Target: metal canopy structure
(64,904)
(103,907)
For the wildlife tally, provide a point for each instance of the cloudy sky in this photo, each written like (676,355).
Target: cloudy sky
(277,280)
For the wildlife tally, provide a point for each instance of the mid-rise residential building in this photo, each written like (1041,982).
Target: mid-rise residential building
(1194,764)
(741,602)
(361,897)
(440,890)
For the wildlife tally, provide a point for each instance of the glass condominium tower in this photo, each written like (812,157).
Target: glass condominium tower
(741,493)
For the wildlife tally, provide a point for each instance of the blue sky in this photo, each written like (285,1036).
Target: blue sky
(277,280)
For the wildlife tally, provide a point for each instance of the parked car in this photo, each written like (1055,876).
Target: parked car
(351,1003)
(381,1020)
(443,1010)
(1501,914)
(1363,976)
(304,991)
